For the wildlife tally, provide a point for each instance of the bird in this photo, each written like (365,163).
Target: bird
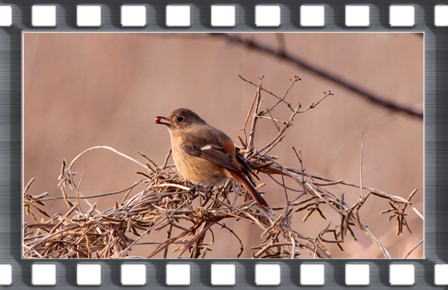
(204,154)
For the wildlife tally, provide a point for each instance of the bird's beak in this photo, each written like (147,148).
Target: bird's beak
(163,121)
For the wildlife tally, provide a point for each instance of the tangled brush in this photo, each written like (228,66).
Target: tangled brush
(160,201)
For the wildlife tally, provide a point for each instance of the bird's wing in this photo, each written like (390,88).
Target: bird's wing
(213,153)
(217,148)
(223,153)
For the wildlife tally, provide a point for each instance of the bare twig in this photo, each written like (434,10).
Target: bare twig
(413,249)
(160,201)
(375,99)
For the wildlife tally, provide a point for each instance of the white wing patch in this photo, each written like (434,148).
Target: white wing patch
(207,147)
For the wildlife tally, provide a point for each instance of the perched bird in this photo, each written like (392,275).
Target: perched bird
(205,155)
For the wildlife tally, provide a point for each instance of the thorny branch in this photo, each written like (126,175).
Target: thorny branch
(189,216)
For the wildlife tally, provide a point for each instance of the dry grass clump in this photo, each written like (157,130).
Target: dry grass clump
(160,201)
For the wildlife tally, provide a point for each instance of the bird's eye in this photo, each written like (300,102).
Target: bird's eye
(180,119)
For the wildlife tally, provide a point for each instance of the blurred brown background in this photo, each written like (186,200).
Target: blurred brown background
(83,90)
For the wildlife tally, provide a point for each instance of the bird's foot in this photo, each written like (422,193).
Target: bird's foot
(193,188)
(208,190)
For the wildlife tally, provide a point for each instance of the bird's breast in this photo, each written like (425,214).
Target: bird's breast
(196,169)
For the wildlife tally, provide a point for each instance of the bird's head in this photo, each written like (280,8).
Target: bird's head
(179,119)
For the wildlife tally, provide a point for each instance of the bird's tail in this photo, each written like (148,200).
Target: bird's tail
(251,189)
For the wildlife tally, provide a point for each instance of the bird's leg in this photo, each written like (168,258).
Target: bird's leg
(195,189)
(236,188)
(208,193)
(236,194)
(209,189)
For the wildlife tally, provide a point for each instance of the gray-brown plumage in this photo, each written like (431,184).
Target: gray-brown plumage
(205,155)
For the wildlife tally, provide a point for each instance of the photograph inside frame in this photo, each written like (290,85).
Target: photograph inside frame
(266,145)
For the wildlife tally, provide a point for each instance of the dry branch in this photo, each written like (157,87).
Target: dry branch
(281,53)
(188,215)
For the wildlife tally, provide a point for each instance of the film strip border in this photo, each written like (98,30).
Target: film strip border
(89,16)
(182,16)
(220,273)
